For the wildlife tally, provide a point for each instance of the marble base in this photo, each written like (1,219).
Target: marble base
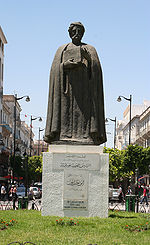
(75,181)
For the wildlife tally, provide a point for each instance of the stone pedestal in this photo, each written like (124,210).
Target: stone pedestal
(75,181)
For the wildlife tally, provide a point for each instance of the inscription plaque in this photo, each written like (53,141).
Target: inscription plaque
(75,204)
(75,189)
(76,161)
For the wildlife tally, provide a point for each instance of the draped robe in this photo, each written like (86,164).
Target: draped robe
(75,113)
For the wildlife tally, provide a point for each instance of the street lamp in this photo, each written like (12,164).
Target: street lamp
(17,151)
(26,172)
(32,119)
(113,120)
(129,99)
(149,173)
(16,99)
(1,145)
(40,130)
(106,141)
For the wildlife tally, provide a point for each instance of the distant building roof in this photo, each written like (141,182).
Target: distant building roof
(2,36)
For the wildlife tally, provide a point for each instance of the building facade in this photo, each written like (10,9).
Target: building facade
(3,41)
(22,134)
(143,131)
(140,126)
(39,146)
(6,126)
(25,132)
(7,122)
(4,154)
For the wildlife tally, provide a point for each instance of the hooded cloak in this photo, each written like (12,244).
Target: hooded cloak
(75,113)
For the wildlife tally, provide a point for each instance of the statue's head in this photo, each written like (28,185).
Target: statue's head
(76,31)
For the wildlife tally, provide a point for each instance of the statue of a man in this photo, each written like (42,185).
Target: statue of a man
(75,112)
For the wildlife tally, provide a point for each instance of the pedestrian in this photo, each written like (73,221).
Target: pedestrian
(129,191)
(3,192)
(140,190)
(148,191)
(120,194)
(0,191)
(145,193)
(11,193)
(14,193)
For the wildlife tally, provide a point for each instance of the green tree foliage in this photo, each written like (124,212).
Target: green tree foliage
(133,157)
(144,168)
(116,165)
(18,166)
(122,163)
(35,168)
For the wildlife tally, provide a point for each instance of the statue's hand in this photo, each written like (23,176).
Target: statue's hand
(70,64)
(86,54)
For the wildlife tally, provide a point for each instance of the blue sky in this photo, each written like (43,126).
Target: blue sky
(118,29)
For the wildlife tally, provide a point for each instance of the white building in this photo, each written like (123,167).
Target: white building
(4,154)
(143,132)
(25,133)
(6,128)
(22,129)
(140,126)
(2,42)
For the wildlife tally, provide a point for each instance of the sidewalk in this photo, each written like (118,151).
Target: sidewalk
(32,204)
(143,208)
(36,204)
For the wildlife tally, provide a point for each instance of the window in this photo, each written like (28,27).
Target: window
(2,71)
(2,47)
(1,117)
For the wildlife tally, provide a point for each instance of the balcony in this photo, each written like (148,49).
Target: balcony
(6,129)
(143,135)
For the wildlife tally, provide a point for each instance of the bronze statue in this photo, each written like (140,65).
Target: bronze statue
(75,112)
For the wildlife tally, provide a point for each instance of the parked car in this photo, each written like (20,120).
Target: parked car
(35,191)
(21,191)
(113,194)
(39,185)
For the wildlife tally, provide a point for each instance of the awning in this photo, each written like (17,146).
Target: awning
(145,176)
(11,177)
(2,178)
